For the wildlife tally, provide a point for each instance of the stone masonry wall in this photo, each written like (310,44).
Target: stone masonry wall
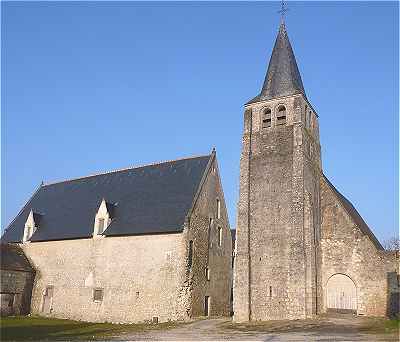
(207,252)
(346,250)
(140,275)
(275,262)
(19,284)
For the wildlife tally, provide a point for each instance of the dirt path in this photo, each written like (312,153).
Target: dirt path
(333,328)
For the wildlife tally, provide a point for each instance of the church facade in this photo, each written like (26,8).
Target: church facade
(301,247)
(144,244)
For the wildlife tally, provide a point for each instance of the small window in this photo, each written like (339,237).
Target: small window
(190,254)
(305,114)
(218,208)
(207,273)
(11,300)
(281,116)
(219,236)
(29,233)
(98,295)
(207,306)
(266,118)
(270,291)
(101,225)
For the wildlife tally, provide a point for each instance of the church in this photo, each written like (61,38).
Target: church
(301,247)
(153,243)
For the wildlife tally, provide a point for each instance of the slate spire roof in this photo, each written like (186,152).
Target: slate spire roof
(283,76)
(145,200)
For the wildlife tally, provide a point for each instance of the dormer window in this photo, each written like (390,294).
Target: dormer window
(266,118)
(31,225)
(281,115)
(103,217)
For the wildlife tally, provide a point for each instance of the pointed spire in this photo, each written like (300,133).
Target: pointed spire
(283,76)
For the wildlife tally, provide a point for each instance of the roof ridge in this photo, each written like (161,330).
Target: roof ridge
(125,169)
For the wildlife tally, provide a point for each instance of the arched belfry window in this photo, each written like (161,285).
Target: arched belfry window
(281,115)
(266,118)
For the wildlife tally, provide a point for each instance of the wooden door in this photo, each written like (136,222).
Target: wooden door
(48,300)
(341,294)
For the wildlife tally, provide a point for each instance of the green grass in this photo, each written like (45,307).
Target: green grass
(381,326)
(22,328)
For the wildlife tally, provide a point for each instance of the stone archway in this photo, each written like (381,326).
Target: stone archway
(341,294)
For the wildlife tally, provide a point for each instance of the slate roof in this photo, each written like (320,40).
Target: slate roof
(353,213)
(148,199)
(12,258)
(283,77)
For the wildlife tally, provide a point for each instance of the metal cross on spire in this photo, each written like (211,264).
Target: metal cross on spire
(283,11)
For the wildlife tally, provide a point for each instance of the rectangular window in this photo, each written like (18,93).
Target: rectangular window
(206,306)
(101,225)
(219,236)
(190,254)
(97,295)
(207,273)
(218,208)
(11,300)
(270,291)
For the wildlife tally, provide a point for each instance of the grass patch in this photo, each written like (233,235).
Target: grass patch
(380,326)
(22,328)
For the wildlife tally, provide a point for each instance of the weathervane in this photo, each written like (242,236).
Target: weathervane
(283,11)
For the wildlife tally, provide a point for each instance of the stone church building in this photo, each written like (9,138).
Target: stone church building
(150,243)
(301,246)
(153,243)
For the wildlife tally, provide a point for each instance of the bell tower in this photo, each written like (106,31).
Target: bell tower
(278,222)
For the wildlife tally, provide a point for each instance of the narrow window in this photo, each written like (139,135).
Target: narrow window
(207,272)
(11,300)
(97,295)
(190,254)
(101,225)
(270,291)
(309,119)
(206,306)
(266,118)
(281,116)
(305,115)
(218,208)
(219,236)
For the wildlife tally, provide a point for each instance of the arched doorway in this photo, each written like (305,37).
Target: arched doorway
(341,294)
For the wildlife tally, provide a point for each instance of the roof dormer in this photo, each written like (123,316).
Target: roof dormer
(31,225)
(103,217)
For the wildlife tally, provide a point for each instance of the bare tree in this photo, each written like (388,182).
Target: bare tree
(392,244)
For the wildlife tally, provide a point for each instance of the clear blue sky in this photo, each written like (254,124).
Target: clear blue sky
(91,87)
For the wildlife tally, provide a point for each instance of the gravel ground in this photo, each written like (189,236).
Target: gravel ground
(327,328)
